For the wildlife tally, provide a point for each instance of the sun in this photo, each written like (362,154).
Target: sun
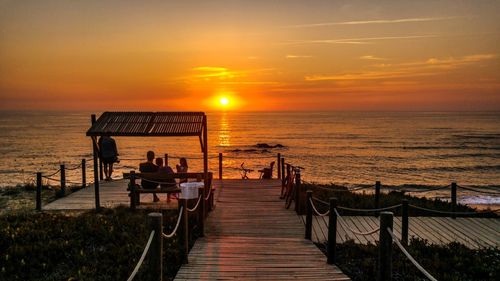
(224,101)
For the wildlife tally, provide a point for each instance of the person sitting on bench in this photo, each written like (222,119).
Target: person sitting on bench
(168,170)
(267,173)
(149,167)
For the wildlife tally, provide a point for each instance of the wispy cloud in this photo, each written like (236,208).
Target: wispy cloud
(432,66)
(370,57)
(298,56)
(361,40)
(377,21)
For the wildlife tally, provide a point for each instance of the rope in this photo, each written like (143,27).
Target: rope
(425,190)
(208,195)
(157,182)
(141,260)
(321,201)
(450,213)
(344,223)
(254,157)
(478,191)
(52,179)
(369,210)
(74,168)
(53,174)
(316,210)
(415,263)
(176,225)
(196,206)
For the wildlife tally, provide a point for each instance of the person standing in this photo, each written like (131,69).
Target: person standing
(108,154)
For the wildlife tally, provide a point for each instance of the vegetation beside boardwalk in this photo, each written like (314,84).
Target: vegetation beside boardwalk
(85,246)
(452,262)
(361,200)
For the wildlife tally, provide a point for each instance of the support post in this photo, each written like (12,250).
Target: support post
(385,248)
(63,180)
(220,165)
(279,166)
(404,222)
(166,159)
(453,199)
(282,171)
(96,167)
(377,196)
(184,234)
(201,216)
(309,214)
(132,191)
(155,221)
(332,231)
(297,193)
(84,173)
(39,191)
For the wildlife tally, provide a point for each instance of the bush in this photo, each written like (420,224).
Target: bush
(89,246)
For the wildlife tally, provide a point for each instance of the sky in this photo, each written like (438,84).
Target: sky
(260,55)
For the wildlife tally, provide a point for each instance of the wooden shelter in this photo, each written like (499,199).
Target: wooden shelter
(148,124)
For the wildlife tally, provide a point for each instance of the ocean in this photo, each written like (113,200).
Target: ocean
(400,149)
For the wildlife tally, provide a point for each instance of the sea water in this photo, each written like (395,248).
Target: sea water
(400,149)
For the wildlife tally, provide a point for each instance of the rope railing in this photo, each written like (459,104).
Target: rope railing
(209,193)
(73,168)
(413,261)
(451,213)
(54,173)
(425,190)
(320,201)
(346,226)
(181,209)
(369,210)
(316,210)
(250,157)
(479,191)
(141,260)
(197,204)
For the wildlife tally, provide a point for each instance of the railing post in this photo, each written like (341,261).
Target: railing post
(184,234)
(385,248)
(201,215)
(377,196)
(332,231)
(95,159)
(309,214)
(279,166)
(84,173)
(39,191)
(282,171)
(155,221)
(297,192)
(63,180)
(166,159)
(220,165)
(453,199)
(132,190)
(404,222)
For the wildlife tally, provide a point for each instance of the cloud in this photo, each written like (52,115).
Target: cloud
(297,56)
(378,21)
(361,40)
(432,66)
(369,57)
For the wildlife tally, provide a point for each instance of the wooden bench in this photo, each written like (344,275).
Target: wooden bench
(136,189)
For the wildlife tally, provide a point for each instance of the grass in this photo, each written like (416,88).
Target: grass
(452,262)
(84,246)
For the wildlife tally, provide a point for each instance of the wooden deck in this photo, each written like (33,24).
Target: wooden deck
(112,194)
(251,236)
(472,232)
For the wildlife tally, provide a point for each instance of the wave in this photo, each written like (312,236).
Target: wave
(482,168)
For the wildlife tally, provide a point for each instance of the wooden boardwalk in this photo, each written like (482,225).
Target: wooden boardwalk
(472,232)
(112,194)
(251,236)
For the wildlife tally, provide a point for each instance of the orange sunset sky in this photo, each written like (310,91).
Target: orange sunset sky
(260,55)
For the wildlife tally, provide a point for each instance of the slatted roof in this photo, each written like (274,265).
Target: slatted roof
(148,124)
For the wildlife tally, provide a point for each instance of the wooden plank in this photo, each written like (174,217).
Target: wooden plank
(251,235)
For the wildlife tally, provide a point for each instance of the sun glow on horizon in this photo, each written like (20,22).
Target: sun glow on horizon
(224,101)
